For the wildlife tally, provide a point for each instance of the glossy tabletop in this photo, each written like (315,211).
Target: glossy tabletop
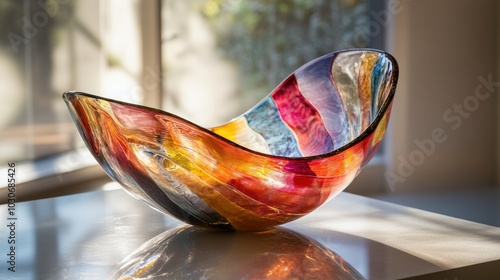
(110,235)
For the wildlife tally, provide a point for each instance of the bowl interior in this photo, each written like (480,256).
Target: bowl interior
(321,107)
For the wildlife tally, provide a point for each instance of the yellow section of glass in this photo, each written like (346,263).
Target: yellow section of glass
(239,132)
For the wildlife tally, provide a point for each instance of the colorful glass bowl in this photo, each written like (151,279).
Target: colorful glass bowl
(297,148)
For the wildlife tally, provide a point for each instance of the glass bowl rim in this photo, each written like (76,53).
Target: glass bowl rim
(371,128)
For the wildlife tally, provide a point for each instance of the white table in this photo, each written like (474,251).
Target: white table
(90,236)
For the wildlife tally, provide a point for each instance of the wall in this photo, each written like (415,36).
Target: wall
(497,117)
(444,125)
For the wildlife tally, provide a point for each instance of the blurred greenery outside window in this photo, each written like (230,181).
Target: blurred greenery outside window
(215,59)
(220,57)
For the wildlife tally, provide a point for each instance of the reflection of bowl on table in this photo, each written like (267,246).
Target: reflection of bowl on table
(198,253)
(297,148)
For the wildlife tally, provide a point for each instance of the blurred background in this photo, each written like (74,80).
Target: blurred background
(211,60)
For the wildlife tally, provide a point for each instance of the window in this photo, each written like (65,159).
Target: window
(207,61)
(52,46)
